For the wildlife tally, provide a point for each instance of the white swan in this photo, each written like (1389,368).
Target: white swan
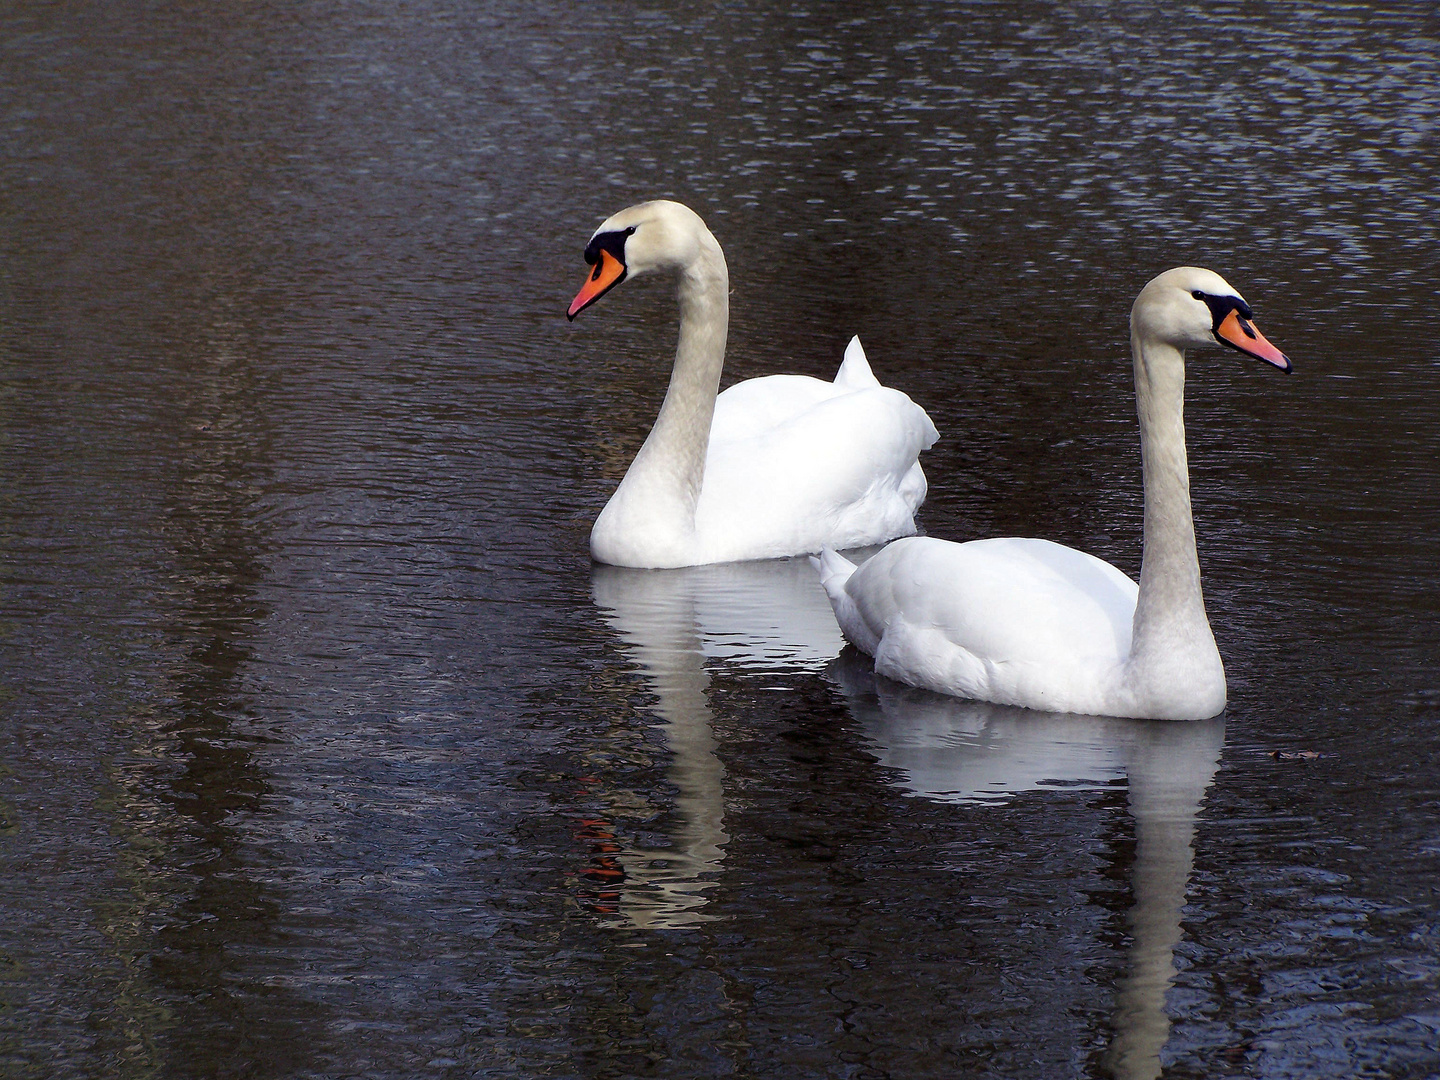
(1032,623)
(782,465)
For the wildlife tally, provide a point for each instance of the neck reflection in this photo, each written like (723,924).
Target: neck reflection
(1170,767)
(762,614)
(958,751)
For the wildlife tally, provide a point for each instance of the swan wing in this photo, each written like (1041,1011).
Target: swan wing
(797,464)
(756,406)
(1015,621)
(752,408)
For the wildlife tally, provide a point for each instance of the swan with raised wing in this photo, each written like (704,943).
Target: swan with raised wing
(775,466)
(1033,623)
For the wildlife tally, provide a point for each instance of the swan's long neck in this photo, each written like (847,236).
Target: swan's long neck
(670,467)
(1171,642)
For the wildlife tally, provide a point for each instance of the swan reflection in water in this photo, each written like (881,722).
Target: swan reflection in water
(768,614)
(774,615)
(951,750)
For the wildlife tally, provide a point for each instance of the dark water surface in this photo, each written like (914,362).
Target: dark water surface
(326,751)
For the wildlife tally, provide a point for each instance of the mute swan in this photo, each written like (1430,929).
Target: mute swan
(776,466)
(1032,623)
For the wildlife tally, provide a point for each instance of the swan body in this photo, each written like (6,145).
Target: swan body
(776,466)
(1036,624)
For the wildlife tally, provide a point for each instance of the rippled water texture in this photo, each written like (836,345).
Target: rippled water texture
(325,751)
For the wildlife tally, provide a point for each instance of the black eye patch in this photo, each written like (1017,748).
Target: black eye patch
(1220,306)
(612,241)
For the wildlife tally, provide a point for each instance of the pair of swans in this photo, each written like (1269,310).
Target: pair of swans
(789,465)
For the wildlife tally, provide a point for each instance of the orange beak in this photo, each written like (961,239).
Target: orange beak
(609,272)
(1241,334)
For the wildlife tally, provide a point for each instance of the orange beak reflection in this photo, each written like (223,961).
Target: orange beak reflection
(609,272)
(1242,335)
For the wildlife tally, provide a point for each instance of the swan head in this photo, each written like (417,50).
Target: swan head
(1190,307)
(659,235)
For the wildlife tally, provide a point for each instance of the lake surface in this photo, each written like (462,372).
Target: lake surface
(328,753)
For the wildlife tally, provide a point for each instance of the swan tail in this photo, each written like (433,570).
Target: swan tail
(932,434)
(835,571)
(855,373)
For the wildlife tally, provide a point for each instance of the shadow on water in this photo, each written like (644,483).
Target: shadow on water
(955,751)
(772,615)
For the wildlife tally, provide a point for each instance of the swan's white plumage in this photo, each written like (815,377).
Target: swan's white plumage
(1009,620)
(794,464)
(775,466)
(1032,623)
